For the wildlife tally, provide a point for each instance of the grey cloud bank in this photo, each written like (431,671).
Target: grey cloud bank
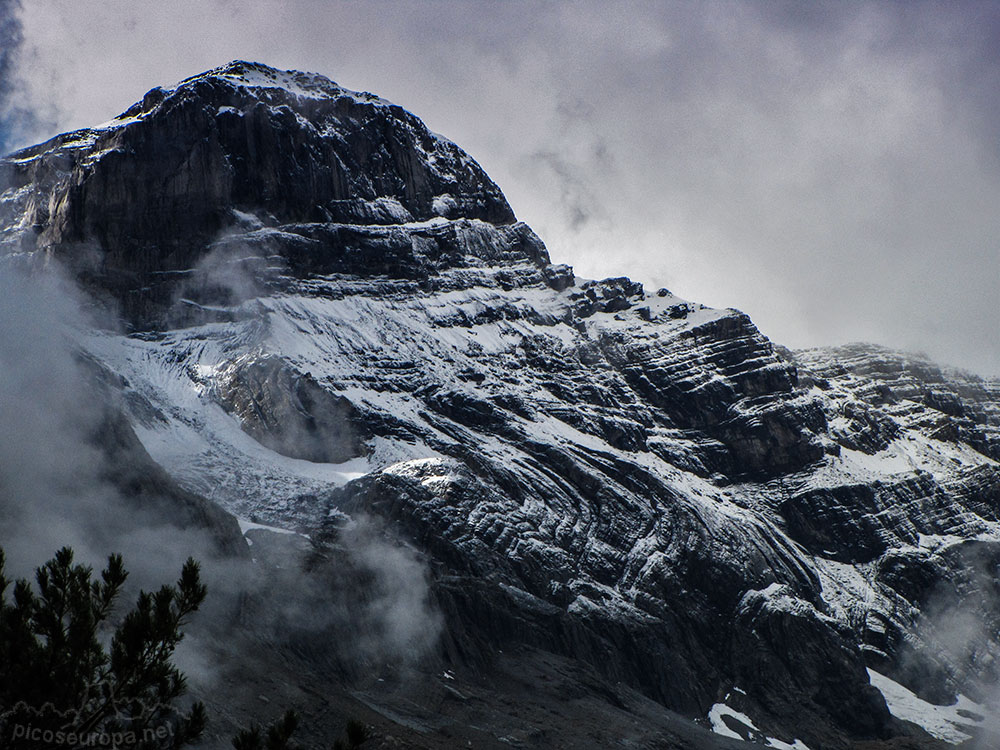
(829,168)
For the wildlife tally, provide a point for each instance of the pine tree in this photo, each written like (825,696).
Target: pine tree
(60,687)
(277,737)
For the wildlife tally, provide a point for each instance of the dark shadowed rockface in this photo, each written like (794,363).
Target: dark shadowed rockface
(334,315)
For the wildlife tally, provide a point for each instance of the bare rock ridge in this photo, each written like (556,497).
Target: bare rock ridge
(137,201)
(335,313)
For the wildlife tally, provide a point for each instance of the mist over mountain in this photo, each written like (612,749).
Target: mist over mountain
(454,488)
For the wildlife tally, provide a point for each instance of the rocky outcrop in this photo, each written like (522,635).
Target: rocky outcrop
(779,639)
(911,391)
(290,412)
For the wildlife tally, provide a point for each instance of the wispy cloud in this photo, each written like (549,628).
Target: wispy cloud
(22,120)
(11,39)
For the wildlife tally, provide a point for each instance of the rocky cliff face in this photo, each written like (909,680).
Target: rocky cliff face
(334,313)
(132,204)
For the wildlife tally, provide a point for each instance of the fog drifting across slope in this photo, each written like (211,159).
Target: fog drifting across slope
(24,117)
(54,485)
(55,491)
(48,469)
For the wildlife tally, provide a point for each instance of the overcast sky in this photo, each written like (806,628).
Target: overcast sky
(832,169)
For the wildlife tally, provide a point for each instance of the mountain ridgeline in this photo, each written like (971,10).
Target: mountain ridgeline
(332,313)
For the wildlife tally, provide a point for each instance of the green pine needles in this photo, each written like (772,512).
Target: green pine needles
(278,736)
(61,688)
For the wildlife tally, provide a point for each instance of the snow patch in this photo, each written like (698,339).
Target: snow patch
(246,526)
(442,204)
(948,723)
(717,716)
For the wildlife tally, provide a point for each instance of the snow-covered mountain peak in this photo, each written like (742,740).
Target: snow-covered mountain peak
(258,75)
(267,84)
(332,312)
(272,164)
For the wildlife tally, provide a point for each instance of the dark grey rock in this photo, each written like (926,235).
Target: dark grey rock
(290,412)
